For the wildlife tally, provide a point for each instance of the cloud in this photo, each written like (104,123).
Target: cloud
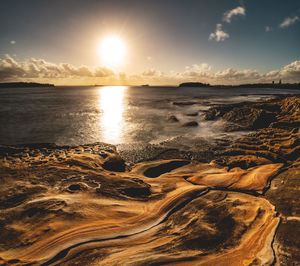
(238,11)
(232,76)
(122,76)
(197,71)
(102,72)
(39,68)
(288,73)
(219,35)
(288,22)
(12,42)
(268,28)
(152,73)
(228,76)
(203,73)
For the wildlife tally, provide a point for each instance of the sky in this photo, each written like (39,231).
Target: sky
(166,42)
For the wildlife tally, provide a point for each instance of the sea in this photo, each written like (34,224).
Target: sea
(115,114)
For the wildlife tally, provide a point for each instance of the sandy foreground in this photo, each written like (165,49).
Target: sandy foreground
(85,205)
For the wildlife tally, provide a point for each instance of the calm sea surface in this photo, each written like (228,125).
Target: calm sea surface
(116,115)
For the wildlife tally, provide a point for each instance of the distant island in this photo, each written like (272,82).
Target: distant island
(24,84)
(194,84)
(254,85)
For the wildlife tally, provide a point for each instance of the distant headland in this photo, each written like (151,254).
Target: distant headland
(194,84)
(278,85)
(24,84)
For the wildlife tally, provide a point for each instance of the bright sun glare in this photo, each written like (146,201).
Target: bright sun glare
(112,50)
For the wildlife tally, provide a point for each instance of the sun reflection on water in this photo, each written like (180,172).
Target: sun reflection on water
(111,105)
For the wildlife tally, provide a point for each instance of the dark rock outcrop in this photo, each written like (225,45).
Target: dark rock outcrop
(183,103)
(164,168)
(218,111)
(190,124)
(114,163)
(192,114)
(249,118)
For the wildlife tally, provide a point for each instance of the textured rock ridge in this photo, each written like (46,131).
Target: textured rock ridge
(84,205)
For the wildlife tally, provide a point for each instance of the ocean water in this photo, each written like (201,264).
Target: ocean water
(113,114)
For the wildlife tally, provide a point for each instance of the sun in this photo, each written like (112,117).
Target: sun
(112,50)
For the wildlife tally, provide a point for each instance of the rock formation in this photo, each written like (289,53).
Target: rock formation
(84,205)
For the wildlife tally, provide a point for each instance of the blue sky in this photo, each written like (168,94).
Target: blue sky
(162,37)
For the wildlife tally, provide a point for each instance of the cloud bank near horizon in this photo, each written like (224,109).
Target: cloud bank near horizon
(40,70)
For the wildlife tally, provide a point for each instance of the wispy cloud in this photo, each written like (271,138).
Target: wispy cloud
(219,35)
(268,28)
(238,11)
(204,67)
(12,42)
(288,22)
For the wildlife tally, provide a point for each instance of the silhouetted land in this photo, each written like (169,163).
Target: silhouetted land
(255,85)
(194,84)
(24,84)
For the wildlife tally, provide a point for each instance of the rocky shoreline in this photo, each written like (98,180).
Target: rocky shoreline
(232,202)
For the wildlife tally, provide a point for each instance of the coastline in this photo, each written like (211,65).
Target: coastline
(25,84)
(273,85)
(221,203)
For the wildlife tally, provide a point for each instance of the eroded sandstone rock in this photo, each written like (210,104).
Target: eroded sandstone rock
(81,205)
(190,124)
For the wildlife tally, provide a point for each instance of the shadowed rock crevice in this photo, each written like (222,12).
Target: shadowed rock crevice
(164,168)
(114,163)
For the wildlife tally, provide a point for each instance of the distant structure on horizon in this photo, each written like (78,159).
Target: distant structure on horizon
(279,82)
